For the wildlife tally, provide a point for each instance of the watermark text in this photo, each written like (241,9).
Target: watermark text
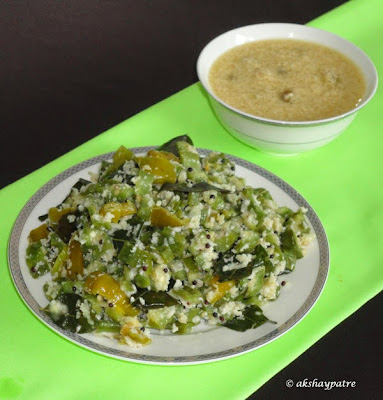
(316,383)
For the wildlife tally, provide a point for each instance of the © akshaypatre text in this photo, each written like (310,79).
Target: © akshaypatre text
(316,383)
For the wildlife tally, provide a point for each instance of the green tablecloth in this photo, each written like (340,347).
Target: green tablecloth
(342,182)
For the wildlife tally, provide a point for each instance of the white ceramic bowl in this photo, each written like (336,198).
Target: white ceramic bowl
(273,136)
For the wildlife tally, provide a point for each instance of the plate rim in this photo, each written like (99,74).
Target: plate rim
(32,305)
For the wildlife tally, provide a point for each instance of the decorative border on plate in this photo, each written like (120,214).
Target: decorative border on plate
(14,266)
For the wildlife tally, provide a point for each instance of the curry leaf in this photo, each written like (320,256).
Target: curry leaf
(153,299)
(73,320)
(80,183)
(252,318)
(121,236)
(197,187)
(43,217)
(260,258)
(64,228)
(233,274)
(171,145)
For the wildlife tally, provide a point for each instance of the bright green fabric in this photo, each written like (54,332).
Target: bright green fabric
(342,182)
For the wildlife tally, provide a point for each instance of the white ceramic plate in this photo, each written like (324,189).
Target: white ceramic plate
(303,287)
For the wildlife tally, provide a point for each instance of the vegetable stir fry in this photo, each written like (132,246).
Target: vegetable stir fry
(168,240)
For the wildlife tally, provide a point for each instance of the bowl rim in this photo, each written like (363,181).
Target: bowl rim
(281,122)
